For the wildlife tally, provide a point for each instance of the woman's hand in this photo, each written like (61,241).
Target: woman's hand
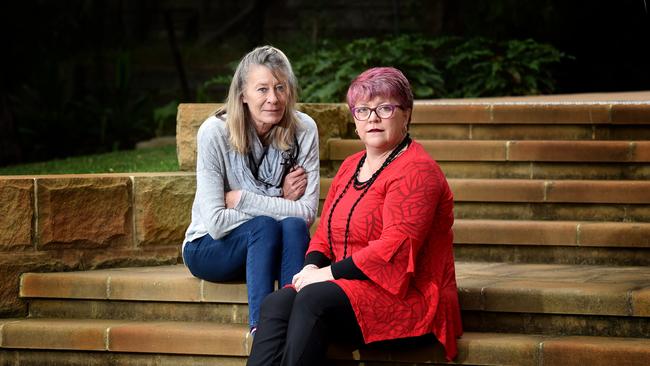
(232,198)
(294,184)
(311,274)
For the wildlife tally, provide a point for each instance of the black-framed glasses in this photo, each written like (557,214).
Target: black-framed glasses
(382,111)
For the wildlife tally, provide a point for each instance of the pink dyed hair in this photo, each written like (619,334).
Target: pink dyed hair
(386,82)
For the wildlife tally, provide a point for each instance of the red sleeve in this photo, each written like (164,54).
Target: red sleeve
(408,214)
(319,241)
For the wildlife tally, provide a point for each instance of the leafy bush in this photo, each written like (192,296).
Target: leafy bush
(443,67)
(325,74)
(165,118)
(480,68)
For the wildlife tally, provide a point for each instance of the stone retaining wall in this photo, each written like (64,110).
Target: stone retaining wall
(332,120)
(73,222)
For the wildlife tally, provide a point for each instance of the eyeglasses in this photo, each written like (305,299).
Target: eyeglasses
(382,111)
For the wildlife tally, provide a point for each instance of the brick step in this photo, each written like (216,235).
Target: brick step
(552,211)
(563,233)
(528,131)
(538,170)
(490,287)
(548,191)
(517,150)
(618,160)
(529,121)
(111,340)
(529,199)
(561,242)
(552,254)
(556,233)
(227,311)
(473,320)
(165,337)
(531,112)
(33,357)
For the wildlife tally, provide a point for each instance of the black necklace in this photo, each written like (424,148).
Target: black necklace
(361,185)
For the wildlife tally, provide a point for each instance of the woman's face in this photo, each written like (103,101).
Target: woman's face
(266,98)
(382,134)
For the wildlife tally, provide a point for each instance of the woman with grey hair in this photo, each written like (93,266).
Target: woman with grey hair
(257,182)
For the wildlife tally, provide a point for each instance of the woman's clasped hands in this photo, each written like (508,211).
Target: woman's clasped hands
(311,274)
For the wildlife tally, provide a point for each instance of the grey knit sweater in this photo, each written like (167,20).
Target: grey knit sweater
(215,176)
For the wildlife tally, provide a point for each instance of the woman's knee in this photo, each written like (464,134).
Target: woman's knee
(265,221)
(295,231)
(266,227)
(312,300)
(278,304)
(293,223)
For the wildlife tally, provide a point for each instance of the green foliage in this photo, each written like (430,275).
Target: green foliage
(326,73)
(216,88)
(480,67)
(160,159)
(165,118)
(221,82)
(443,67)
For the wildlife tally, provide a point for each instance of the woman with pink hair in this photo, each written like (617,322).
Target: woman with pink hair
(380,265)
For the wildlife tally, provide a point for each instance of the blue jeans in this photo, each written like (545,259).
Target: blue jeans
(262,250)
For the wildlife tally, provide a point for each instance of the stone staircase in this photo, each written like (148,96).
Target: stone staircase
(552,240)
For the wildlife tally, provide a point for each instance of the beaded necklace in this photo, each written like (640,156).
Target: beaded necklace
(360,185)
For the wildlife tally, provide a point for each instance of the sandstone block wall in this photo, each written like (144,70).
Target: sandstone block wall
(332,120)
(76,222)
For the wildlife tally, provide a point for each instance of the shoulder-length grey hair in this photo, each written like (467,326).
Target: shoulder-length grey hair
(238,120)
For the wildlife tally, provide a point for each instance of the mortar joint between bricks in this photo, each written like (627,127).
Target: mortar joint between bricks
(540,353)
(134,235)
(629,302)
(482,299)
(548,185)
(35,236)
(202,291)
(609,112)
(631,151)
(107,337)
(593,130)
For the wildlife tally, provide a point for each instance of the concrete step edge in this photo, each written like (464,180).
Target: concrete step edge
(479,319)
(218,340)
(563,233)
(526,288)
(516,151)
(126,336)
(541,190)
(550,233)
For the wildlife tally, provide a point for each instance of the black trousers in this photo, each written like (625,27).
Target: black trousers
(295,328)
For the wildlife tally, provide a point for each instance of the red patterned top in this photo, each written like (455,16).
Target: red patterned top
(401,239)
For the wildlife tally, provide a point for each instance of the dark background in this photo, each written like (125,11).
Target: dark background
(83,76)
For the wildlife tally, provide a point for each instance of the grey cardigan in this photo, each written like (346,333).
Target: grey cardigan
(215,176)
